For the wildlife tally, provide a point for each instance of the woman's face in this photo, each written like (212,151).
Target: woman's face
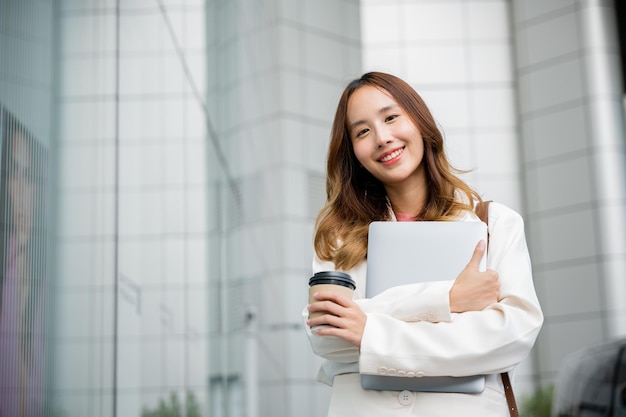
(21,189)
(384,138)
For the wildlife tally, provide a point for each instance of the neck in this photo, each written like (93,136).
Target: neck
(407,201)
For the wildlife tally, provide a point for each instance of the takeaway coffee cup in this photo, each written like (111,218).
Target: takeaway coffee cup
(335,281)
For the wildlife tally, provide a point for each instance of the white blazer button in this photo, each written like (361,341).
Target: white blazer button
(382,370)
(419,374)
(401,373)
(405,398)
(391,371)
(410,374)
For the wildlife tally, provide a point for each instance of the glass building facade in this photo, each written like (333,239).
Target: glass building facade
(26,228)
(162,163)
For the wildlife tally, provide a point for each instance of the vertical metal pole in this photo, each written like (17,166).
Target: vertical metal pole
(116,205)
(252,361)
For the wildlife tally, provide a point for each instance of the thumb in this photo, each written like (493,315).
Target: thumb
(477,256)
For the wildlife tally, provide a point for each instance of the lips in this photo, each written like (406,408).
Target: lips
(388,156)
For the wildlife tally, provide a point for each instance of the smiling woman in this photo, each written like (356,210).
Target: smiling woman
(356,193)
(386,162)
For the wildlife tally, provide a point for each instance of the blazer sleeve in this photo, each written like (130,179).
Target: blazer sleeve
(479,342)
(416,302)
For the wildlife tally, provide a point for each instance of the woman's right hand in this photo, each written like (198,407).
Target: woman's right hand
(344,317)
(474,290)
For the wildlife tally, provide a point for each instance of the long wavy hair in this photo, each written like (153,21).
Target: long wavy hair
(354,198)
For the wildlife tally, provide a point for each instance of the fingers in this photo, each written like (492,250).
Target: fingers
(349,336)
(326,319)
(477,256)
(474,290)
(331,304)
(334,297)
(491,286)
(327,307)
(333,313)
(347,323)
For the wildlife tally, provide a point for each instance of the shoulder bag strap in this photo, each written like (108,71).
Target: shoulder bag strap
(482,211)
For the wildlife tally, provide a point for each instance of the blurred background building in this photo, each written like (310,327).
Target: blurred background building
(163,163)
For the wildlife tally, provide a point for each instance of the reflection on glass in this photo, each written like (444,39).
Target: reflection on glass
(22,371)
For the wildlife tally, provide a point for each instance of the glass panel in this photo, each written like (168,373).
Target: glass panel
(23,248)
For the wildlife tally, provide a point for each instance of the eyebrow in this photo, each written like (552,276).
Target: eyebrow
(380,111)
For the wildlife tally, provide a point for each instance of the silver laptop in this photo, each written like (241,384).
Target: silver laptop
(401,253)
(464,384)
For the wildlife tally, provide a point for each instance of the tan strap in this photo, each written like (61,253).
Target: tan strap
(510,396)
(482,211)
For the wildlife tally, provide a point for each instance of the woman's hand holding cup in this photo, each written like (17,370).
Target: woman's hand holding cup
(331,309)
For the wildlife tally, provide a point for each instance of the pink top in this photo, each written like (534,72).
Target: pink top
(402,217)
(21,364)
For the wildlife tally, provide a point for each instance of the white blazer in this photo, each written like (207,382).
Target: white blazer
(411,332)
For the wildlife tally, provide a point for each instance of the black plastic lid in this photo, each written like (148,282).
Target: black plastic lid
(332,277)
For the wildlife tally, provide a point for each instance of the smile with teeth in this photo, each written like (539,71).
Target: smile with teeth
(392,155)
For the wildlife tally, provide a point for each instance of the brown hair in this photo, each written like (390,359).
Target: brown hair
(354,198)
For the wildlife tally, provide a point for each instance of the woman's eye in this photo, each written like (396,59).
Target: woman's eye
(390,118)
(361,132)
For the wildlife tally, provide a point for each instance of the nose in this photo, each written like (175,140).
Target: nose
(383,136)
